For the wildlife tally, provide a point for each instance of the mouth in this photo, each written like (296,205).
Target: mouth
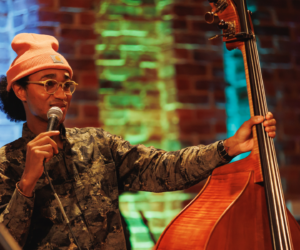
(61,106)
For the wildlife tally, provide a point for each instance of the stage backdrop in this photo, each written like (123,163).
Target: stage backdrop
(147,72)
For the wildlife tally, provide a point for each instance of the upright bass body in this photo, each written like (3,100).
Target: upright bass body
(230,213)
(241,206)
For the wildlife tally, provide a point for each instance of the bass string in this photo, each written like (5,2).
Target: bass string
(270,159)
(274,166)
(276,187)
(262,111)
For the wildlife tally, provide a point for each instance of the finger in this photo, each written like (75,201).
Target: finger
(272,134)
(46,148)
(44,154)
(254,120)
(270,129)
(269,122)
(43,141)
(269,116)
(49,133)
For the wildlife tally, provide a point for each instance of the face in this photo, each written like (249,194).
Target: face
(38,101)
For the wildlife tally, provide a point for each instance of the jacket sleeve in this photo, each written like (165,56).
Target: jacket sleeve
(149,169)
(18,209)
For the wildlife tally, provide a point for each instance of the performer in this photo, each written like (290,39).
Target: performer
(88,166)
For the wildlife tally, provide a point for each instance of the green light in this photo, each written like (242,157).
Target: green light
(149,65)
(100,46)
(119,62)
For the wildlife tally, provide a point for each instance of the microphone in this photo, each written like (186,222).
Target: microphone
(54,115)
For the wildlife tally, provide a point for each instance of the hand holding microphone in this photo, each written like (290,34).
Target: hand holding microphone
(40,148)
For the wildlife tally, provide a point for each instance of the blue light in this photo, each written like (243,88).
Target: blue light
(13,21)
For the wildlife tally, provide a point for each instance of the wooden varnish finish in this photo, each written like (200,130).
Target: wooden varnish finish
(230,212)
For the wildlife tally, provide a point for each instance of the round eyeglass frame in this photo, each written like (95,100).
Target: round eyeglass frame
(62,84)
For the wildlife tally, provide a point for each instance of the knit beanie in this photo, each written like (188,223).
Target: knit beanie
(34,53)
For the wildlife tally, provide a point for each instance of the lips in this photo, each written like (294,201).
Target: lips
(61,106)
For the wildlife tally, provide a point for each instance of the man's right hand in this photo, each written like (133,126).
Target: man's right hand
(40,148)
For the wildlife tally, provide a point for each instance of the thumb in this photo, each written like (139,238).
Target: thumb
(254,120)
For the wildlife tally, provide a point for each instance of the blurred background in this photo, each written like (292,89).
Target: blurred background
(147,72)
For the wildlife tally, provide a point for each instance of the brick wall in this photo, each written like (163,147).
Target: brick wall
(72,23)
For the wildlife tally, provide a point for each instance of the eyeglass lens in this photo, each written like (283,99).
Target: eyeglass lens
(52,86)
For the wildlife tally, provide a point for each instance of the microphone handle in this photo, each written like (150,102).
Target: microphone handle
(52,123)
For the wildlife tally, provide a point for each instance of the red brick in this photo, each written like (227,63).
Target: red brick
(190,39)
(72,111)
(82,64)
(186,115)
(268,74)
(67,48)
(288,16)
(46,3)
(219,97)
(218,71)
(87,18)
(275,58)
(296,4)
(196,99)
(271,31)
(291,130)
(183,10)
(210,85)
(270,3)
(179,24)
(62,17)
(208,56)
(202,26)
(289,46)
(266,43)
(182,83)
(288,74)
(47,30)
(90,111)
(85,4)
(85,95)
(190,69)
(200,129)
(90,80)
(87,49)
(211,114)
(78,34)
(182,53)
(262,15)
(220,127)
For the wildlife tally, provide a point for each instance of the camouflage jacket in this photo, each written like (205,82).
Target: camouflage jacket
(87,175)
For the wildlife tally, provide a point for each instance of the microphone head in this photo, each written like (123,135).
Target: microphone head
(55,111)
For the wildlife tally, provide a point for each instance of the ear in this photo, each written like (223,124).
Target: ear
(19,92)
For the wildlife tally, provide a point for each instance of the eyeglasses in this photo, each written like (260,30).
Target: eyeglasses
(51,86)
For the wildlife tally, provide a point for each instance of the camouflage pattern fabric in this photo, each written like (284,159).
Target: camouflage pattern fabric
(87,175)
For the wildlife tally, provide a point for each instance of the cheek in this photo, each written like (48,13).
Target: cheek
(37,102)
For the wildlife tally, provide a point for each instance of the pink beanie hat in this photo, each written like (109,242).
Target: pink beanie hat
(34,53)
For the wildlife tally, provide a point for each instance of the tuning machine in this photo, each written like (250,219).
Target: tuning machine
(220,6)
(228,29)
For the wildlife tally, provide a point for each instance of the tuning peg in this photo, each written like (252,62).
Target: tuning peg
(210,16)
(223,25)
(216,36)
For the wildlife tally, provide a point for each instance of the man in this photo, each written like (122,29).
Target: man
(87,166)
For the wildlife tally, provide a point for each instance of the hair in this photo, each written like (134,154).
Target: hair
(10,104)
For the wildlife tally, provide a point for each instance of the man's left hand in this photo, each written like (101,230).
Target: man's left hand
(243,141)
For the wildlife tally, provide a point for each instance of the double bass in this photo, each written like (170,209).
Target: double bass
(241,206)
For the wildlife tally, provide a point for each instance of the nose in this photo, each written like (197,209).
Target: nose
(60,94)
